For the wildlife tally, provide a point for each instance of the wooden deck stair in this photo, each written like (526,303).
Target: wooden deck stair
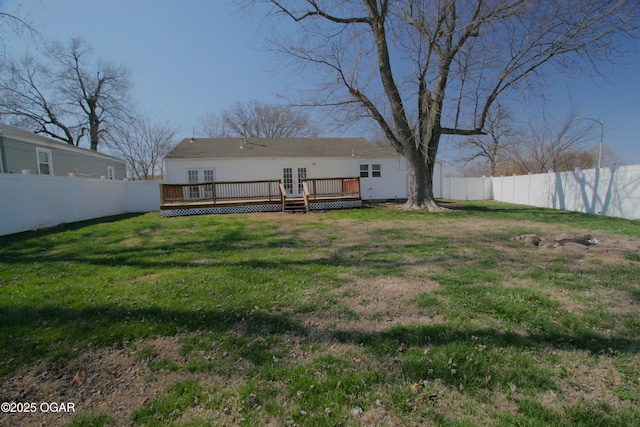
(295,205)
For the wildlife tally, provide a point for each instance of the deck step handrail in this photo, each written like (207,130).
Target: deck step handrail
(305,194)
(283,195)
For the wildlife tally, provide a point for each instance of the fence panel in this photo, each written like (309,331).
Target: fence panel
(30,202)
(611,191)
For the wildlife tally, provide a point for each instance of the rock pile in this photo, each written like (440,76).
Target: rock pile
(557,242)
(571,244)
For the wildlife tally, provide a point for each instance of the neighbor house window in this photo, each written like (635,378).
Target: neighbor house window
(111,172)
(364,171)
(44,162)
(376,171)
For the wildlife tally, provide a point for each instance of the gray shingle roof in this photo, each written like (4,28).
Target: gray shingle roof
(25,135)
(214,148)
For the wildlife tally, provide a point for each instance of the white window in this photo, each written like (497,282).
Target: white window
(364,171)
(201,175)
(44,161)
(111,172)
(209,175)
(192,176)
(287,178)
(302,174)
(376,171)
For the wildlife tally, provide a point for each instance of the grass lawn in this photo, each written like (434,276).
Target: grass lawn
(372,317)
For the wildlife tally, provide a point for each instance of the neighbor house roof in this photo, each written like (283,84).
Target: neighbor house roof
(213,148)
(27,136)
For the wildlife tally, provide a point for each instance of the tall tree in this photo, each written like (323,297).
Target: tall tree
(422,69)
(142,143)
(65,95)
(256,119)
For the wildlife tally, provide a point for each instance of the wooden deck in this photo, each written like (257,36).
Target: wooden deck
(254,196)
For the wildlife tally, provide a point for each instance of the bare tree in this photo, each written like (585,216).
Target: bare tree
(491,149)
(426,68)
(143,143)
(211,125)
(67,96)
(16,24)
(258,120)
(557,147)
(29,100)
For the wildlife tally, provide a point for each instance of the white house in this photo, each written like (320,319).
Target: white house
(382,171)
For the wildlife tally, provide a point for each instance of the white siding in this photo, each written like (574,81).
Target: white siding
(392,184)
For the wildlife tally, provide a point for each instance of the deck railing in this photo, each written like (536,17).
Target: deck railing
(305,194)
(220,192)
(319,188)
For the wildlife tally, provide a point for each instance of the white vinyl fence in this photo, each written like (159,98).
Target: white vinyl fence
(30,202)
(611,191)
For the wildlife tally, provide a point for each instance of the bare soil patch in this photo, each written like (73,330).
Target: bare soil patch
(105,380)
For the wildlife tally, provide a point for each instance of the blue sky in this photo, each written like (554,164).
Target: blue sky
(196,56)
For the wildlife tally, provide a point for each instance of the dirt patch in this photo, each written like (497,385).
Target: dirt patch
(131,242)
(107,380)
(372,306)
(391,298)
(148,277)
(593,381)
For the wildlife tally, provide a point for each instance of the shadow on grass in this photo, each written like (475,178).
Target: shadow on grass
(27,335)
(47,231)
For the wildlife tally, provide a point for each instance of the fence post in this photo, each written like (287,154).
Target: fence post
(74,196)
(28,193)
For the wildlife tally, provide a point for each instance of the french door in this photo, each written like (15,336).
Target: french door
(198,176)
(292,179)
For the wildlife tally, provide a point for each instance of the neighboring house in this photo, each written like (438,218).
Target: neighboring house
(21,150)
(382,171)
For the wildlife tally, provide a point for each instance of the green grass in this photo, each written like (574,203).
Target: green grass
(372,316)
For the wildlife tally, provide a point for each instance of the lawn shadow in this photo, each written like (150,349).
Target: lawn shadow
(27,236)
(69,331)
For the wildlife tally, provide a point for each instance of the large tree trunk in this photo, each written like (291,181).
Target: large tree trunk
(420,172)
(416,169)
(421,161)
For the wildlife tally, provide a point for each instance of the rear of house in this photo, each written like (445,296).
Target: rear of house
(22,151)
(382,171)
